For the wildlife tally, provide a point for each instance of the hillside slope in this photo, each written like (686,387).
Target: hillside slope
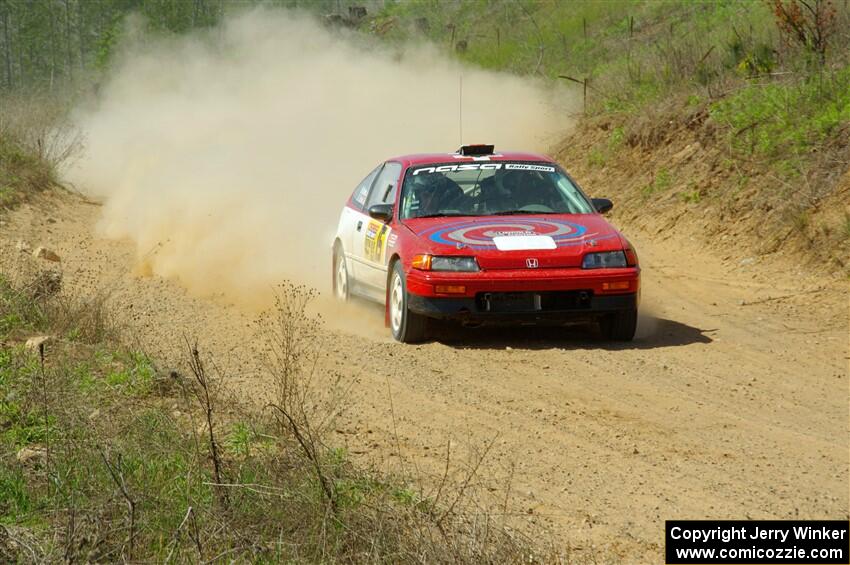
(672,176)
(713,117)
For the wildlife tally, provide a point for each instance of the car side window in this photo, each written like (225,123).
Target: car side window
(386,186)
(362,190)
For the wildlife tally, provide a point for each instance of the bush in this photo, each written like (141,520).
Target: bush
(786,118)
(107,459)
(36,138)
(21,173)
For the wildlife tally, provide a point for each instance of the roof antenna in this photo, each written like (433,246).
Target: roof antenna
(460,108)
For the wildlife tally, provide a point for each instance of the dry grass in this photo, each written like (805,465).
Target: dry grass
(103,457)
(36,138)
(40,125)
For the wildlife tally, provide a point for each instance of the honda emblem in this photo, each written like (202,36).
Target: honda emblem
(531,263)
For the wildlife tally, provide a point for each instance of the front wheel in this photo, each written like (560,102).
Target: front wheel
(619,326)
(407,326)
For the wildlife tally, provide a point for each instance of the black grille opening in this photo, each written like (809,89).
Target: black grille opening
(554,301)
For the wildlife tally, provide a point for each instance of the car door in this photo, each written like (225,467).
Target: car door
(351,220)
(370,242)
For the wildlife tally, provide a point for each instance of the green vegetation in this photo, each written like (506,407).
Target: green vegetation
(763,87)
(786,118)
(48,45)
(631,53)
(51,45)
(21,172)
(105,458)
(599,155)
(692,195)
(634,54)
(660,183)
(776,86)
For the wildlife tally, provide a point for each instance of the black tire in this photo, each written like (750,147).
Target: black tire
(406,326)
(619,326)
(341,287)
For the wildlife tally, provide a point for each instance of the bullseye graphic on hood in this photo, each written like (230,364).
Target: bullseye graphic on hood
(480,234)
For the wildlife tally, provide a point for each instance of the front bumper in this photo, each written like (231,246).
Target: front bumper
(528,295)
(524,309)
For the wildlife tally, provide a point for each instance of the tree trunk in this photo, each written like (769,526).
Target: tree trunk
(81,34)
(68,54)
(19,44)
(7,48)
(54,48)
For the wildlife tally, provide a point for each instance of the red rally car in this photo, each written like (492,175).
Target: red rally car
(481,237)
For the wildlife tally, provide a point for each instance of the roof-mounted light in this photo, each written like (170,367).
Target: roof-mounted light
(476,150)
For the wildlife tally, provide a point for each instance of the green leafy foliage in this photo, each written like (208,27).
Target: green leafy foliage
(92,431)
(135,374)
(785,118)
(660,183)
(15,500)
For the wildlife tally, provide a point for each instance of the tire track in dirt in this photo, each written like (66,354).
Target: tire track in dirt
(718,410)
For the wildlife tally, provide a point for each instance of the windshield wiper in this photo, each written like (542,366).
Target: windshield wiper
(441,214)
(519,212)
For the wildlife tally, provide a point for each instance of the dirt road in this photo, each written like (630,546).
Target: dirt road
(732,403)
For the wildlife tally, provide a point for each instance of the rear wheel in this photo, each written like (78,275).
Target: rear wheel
(619,326)
(340,275)
(407,326)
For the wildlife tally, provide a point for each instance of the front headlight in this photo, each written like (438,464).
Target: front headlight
(463,264)
(605,260)
(438,263)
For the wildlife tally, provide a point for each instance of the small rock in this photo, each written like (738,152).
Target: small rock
(747,261)
(33,453)
(37,341)
(22,246)
(94,415)
(46,254)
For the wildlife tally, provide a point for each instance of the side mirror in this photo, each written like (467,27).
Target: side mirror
(602,205)
(383,212)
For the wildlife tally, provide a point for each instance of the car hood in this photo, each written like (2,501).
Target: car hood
(517,242)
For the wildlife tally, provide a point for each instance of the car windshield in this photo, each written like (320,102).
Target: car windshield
(489,188)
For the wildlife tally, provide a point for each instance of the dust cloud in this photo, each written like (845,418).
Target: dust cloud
(226,157)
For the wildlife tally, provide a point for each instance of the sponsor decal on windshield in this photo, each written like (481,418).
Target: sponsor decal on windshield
(484,167)
(527,167)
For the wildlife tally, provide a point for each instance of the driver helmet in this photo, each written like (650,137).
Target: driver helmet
(512,182)
(426,190)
